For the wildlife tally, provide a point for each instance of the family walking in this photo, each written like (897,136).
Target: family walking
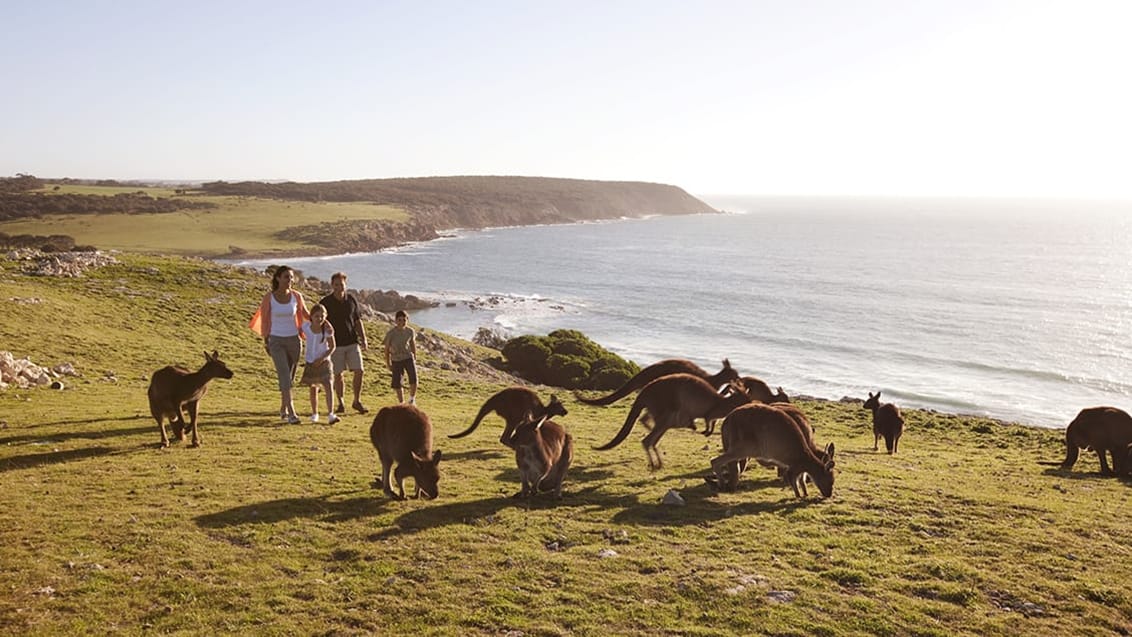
(335,339)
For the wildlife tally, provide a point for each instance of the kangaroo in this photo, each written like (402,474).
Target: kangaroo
(665,368)
(1104,430)
(515,405)
(674,401)
(173,387)
(799,418)
(759,391)
(770,434)
(403,434)
(887,422)
(543,451)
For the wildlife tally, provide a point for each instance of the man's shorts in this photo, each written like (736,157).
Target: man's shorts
(347,357)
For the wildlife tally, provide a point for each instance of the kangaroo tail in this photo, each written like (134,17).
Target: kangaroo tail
(631,420)
(630,386)
(485,410)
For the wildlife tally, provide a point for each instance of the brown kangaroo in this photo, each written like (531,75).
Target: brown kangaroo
(543,451)
(665,368)
(173,387)
(887,422)
(799,418)
(1104,430)
(515,405)
(772,435)
(675,401)
(403,434)
(759,391)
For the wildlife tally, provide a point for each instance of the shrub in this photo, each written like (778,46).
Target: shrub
(567,358)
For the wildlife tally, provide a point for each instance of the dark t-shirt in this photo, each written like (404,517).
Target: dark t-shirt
(343,315)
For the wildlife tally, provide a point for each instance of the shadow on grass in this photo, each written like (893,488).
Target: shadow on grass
(33,460)
(1083,475)
(323,507)
(85,434)
(476,454)
(702,506)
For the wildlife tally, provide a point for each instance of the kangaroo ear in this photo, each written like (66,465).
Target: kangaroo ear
(436,457)
(726,364)
(553,398)
(829,451)
(207,357)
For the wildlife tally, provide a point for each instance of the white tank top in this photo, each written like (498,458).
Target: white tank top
(283,317)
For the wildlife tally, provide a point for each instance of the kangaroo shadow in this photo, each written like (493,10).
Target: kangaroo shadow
(702,506)
(475,454)
(73,435)
(1082,475)
(322,507)
(33,460)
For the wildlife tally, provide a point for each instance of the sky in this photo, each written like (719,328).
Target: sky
(792,97)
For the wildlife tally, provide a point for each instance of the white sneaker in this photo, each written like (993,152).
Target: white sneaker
(314,417)
(332,418)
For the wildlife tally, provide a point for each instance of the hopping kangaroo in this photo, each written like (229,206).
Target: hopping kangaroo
(771,435)
(759,391)
(402,434)
(887,422)
(173,387)
(664,368)
(515,405)
(1104,430)
(543,451)
(675,401)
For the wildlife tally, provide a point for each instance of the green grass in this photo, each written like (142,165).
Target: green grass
(275,529)
(248,223)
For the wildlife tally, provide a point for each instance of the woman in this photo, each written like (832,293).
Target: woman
(278,321)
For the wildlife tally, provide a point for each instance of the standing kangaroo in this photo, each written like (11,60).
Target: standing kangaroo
(402,434)
(772,435)
(759,391)
(515,405)
(887,422)
(665,368)
(543,451)
(173,387)
(1104,430)
(675,401)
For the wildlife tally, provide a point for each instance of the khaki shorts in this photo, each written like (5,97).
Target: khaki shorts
(347,357)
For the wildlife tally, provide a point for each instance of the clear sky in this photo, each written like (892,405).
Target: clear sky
(824,97)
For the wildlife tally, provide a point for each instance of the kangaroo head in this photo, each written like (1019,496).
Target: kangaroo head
(426,473)
(728,372)
(781,396)
(215,367)
(873,402)
(555,407)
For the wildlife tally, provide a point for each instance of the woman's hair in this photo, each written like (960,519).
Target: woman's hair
(275,276)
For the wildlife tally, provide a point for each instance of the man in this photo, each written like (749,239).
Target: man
(350,339)
(400,350)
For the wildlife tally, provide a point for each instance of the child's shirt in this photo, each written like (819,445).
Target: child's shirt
(317,344)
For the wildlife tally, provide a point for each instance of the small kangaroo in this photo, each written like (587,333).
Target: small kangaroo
(515,405)
(675,401)
(403,434)
(665,368)
(1104,430)
(887,422)
(772,435)
(543,451)
(173,387)
(759,391)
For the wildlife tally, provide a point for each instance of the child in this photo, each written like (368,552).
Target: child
(400,355)
(319,335)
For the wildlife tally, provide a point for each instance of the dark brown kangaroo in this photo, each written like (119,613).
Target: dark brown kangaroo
(665,368)
(402,434)
(543,451)
(515,405)
(173,387)
(799,418)
(887,422)
(772,435)
(1106,430)
(675,401)
(759,391)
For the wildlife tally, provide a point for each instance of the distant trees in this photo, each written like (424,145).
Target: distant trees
(567,358)
(20,204)
(20,183)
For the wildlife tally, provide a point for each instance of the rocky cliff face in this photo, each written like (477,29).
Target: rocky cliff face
(444,203)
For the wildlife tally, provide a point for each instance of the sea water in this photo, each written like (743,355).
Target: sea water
(1016,310)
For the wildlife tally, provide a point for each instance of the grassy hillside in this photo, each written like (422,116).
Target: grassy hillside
(275,529)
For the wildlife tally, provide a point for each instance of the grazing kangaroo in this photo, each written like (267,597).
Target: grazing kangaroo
(402,434)
(665,368)
(515,405)
(173,387)
(799,418)
(543,451)
(1104,430)
(759,391)
(887,422)
(675,401)
(772,435)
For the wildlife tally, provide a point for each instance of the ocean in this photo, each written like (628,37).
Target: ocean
(1009,309)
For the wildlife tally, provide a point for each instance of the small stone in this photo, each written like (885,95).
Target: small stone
(672,498)
(607,553)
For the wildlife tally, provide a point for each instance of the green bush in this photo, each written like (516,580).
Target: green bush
(567,358)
